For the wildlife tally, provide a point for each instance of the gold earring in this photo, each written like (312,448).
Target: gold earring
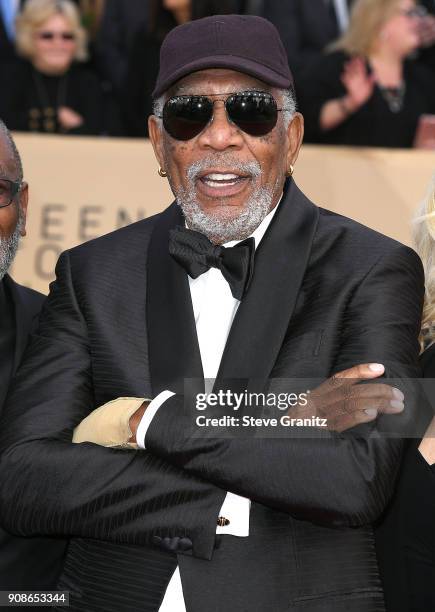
(162,173)
(290,171)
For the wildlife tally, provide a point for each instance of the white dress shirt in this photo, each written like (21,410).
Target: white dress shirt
(342,12)
(214,308)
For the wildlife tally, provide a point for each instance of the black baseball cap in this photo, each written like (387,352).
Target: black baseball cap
(245,43)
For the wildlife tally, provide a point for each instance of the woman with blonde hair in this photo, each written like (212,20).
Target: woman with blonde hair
(49,91)
(406,538)
(365,91)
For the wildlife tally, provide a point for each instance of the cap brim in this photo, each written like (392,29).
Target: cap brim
(232,62)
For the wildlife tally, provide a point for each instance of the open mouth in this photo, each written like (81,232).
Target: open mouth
(223,184)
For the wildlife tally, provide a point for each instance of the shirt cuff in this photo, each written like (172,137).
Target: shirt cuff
(148,416)
(236,509)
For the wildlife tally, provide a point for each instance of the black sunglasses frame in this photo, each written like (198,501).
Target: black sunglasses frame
(66,36)
(15,189)
(227,100)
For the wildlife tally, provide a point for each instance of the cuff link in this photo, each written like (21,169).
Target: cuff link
(222,521)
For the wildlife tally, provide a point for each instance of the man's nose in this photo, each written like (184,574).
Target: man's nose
(220,133)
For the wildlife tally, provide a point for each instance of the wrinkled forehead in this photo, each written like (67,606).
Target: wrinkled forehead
(217,80)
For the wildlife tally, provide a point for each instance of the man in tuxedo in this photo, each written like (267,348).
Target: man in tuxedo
(307,28)
(25,563)
(252,523)
(121,21)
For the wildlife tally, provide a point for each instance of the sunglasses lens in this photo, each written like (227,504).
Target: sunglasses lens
(67,36)
(255,114)
(186,117)
(7,192)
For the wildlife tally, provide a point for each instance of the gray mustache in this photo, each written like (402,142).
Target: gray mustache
(229,162)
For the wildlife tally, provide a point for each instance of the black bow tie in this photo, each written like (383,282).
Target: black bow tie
(197,254)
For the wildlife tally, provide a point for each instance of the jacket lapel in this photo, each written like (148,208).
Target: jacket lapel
(173,343)
(263,316)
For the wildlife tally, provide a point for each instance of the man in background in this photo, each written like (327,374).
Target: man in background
(120,23)
(25,563)
(306,28)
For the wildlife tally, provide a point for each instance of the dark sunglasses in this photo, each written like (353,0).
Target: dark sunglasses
(52,35)
(8,191)
(254,112)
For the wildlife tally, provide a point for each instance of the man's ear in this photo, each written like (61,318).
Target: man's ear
(295,133)
(156,137)
(23,201)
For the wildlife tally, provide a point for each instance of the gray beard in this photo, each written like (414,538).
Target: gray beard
(216,227)
(9,247)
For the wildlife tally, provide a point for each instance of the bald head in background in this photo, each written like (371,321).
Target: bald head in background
(13,200)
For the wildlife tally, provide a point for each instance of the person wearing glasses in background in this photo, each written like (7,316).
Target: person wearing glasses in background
(242,277)
(25,563)
(366,91)
(48,91)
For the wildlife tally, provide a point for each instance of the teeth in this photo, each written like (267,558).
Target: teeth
(220,183)
(221,177)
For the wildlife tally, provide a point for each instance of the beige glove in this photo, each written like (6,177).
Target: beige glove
(108,425)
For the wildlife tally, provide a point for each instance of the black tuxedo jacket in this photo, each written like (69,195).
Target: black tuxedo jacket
(26,305)
(306,28)
(120,23)
(7,51)
(327,293)
(26,563)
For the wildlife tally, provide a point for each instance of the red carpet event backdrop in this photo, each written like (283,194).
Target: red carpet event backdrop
(82,188)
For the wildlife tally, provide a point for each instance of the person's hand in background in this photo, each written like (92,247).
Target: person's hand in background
(358,82)
(69,119)
(359,85)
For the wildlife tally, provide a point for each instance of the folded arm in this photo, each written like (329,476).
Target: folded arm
(50,486)
(333,479)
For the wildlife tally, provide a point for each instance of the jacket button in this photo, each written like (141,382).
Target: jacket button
(185,544)
(222,521)
(170,544)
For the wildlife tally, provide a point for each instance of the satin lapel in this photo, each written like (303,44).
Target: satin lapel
(173,343)
(263,316)
(23,320)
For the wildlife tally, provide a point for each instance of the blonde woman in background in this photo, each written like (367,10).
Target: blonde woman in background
(49,91)
(365,91)
(406,539)
(425,246)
